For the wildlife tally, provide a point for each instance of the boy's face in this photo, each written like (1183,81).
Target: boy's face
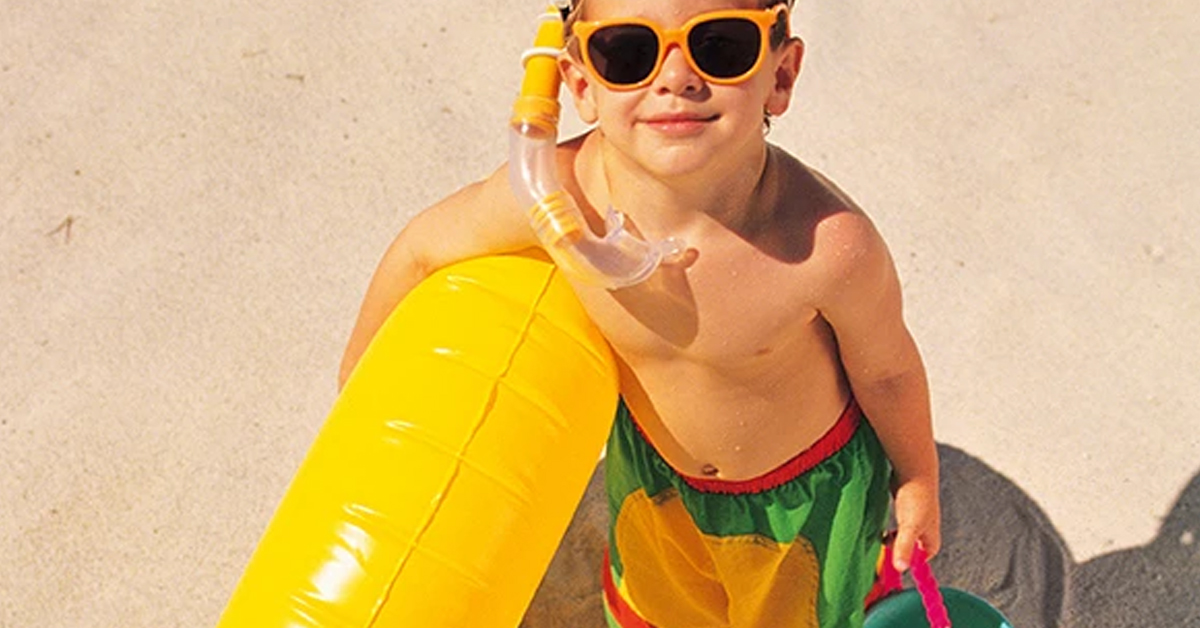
(675,121)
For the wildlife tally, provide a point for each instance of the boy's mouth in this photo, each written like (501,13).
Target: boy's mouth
(679,123)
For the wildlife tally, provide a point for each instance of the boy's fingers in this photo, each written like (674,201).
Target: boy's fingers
(906,541)
(931,544)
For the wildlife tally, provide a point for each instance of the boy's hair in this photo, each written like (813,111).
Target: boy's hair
(574,11)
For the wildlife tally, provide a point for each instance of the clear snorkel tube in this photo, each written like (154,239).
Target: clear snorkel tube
(616,260)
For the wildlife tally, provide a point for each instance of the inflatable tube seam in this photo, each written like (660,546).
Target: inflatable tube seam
(416,540)
(414,433)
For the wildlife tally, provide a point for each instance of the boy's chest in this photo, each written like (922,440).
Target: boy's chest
(721,310)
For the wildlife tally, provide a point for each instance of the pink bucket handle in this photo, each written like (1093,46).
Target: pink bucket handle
(931,595)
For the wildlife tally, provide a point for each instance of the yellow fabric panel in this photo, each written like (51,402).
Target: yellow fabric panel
(450,466)
(676,576)
(669,576)
(774,585)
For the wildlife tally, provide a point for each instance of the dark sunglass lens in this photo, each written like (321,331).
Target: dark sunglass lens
(725,48)
(623,54)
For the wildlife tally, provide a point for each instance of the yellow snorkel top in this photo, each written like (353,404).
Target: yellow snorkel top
(537,105)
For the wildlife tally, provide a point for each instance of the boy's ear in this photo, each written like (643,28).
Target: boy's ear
(578,83)
(787,70)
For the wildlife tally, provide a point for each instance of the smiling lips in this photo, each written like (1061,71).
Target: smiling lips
(679,123)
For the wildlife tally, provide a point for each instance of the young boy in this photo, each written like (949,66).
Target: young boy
(747,486)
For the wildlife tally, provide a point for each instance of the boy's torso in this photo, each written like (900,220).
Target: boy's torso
(727,364)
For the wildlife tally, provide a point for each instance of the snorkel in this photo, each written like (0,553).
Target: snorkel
(617,259)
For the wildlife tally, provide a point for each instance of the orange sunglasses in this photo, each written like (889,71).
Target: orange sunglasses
(724,47)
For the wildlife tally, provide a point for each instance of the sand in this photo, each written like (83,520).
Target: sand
(194,195)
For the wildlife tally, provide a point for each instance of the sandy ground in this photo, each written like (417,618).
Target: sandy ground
(193,196)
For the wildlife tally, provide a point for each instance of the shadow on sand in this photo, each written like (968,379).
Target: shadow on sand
(997,544)
(1157,584)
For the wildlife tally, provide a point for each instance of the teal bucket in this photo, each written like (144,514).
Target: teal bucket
(905,610)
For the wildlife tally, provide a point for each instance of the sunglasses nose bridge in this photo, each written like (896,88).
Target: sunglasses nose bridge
(672,39)
(671,50)
(676,69)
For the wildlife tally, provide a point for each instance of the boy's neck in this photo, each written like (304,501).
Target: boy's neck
(679,206)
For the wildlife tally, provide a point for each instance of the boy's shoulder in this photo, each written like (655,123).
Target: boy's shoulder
(807,189)
(822,223)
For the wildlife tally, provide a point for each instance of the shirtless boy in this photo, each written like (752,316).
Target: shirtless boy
(771,392)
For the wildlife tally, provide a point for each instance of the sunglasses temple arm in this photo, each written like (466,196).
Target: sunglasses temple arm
(616,260)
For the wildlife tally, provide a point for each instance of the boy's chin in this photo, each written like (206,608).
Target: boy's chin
(674,162)
(703,170)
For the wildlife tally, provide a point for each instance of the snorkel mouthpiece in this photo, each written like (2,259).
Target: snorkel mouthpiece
(616,260)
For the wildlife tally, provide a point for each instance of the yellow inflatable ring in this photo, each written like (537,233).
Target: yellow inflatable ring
(450,465)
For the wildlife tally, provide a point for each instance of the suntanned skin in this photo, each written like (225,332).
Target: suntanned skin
(744,352)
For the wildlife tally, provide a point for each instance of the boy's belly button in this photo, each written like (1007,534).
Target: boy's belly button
(709,469)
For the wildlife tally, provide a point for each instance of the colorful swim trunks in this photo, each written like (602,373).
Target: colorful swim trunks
(796,548)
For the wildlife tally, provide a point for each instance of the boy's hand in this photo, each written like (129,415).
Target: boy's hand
(918,516)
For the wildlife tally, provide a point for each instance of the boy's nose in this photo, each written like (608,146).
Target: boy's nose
(677,75)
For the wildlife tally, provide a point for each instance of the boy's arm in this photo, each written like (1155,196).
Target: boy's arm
(480,219)
(881,360)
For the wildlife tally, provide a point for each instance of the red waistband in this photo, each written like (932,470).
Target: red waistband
(827,445)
